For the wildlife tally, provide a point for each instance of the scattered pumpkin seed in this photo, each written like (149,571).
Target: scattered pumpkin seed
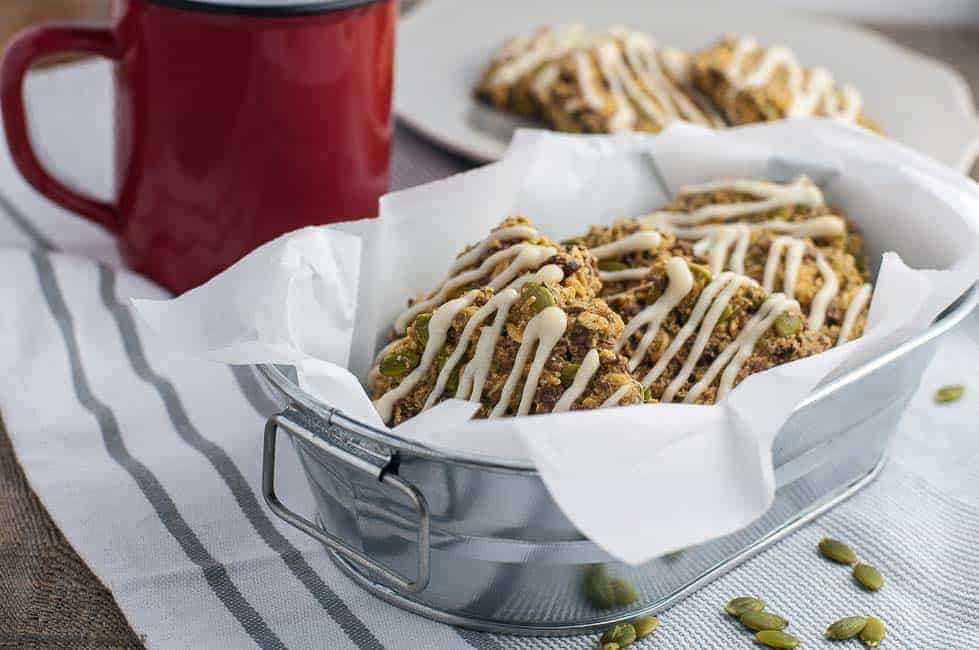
(837,551)
(738,606)
(420,327)
(868,577)
(759,621)
(873,632)
(845,628)
(948,394)
(788,324)
(598,587)
(611,646)
(568,371)
(647,394)
(612,265)
(645,625)
(398,362)
(538,296)
(625,593)
(777,639)
(623,634)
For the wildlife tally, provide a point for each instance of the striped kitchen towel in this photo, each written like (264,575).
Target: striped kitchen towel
(149,463)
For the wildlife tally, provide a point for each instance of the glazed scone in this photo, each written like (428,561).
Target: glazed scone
(618,82)
(752,83)
(782,236)
(692,336)
(509,80)
(515,326)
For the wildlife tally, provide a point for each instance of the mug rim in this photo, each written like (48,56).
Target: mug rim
(264,8)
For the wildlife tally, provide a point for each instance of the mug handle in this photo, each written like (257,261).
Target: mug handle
(22,52)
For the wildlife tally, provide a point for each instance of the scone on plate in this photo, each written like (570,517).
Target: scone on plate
(515,326)
(619,81)
(753,83)
(513,74)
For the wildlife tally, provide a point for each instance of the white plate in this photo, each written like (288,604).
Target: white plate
(444,44)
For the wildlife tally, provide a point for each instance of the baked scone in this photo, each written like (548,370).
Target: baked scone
(691,336)
(620,81)
(509,80)
(751,83)
(515,326)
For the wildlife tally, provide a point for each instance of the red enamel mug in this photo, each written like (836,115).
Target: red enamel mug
(235,121)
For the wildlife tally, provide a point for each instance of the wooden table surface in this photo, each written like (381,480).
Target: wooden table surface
(49,598)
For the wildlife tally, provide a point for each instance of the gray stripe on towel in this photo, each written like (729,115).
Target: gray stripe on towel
(228,471)
(214,573)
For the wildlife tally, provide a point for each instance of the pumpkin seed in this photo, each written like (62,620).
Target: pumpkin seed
(777,639)
(568,371)
(623,634)
(948,394)
(573,241)
(398,362)
(788,324)
(645,625)
(759,621)
(612,265)
(837,551)
(873,632)
(598,587)
(868,577)
(701,270)
(611,646)
(845,628)
(725,315)
(625,593)
(420,327)
(647,394)
(738,606)
(538,296)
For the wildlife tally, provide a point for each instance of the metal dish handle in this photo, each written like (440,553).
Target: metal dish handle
(377,465)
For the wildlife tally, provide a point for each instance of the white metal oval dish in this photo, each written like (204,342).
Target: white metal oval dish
(444,45)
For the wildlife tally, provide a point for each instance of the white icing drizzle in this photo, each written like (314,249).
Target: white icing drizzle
(794,250)
(590,92)
(545,330)
(522,257)
(616,397)
(643,240)
(771,196)
(619,82)
(710,319)
(524,55)
(505,298)
(438,328)
(473,377)
(679,284)
(587,369)
(716,243)
(821,301)
(544,81)
(852,312)
(704,302)
(500,235)
(733,356)
(648,65)
(623,275)
(809,93)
